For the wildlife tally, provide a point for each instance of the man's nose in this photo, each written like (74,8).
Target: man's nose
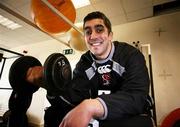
(93,35)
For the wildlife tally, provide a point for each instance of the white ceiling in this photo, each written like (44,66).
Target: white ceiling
(119,12)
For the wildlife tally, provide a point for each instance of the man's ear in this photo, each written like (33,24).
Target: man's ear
(110,35)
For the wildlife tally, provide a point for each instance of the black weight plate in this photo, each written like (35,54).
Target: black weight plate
(17,74)
(49,84)
(61,72)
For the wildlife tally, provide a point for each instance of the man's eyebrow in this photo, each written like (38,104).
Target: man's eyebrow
(99,25)
(87,27)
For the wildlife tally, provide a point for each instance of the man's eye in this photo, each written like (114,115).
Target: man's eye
(88,32)
(99,29)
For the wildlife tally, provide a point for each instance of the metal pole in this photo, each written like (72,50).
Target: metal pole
(151,81)
(11,51)
(2,67)
(152,89)
(62,16)
(6,88)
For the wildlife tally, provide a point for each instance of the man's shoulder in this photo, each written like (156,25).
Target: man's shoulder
(86,56)
(124,47)
(123,51)
(123,44)
(85,59)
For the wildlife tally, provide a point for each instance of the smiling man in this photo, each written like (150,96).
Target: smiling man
(117,69)
(110,83)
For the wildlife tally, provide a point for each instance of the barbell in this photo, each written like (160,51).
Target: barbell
(56,74)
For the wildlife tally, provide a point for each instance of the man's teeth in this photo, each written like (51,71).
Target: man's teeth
(96,44)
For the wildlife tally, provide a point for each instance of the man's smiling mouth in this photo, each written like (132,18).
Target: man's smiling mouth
(96,43)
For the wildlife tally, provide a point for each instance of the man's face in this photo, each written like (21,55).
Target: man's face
(97,38)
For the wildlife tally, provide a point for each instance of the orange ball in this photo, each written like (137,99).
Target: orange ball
(49,21)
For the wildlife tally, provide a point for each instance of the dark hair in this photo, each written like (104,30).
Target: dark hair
(98,15)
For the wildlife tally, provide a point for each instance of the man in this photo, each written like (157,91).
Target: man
(110,81)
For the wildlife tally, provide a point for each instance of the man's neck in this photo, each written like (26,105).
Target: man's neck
(104,59)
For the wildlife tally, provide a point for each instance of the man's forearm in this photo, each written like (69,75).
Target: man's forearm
(95,107)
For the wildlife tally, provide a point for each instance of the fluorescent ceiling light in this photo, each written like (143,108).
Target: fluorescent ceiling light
(8,23)
(2,19)
(80,3)
(14,26)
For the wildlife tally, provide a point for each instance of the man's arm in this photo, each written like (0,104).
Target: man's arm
(130,97)
(81,115)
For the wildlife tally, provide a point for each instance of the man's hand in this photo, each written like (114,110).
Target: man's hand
(81,115)
(34,75)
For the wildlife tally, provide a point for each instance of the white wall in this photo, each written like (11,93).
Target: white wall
(165,56)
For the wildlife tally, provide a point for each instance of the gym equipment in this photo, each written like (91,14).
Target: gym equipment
(4,119)
(18,106)
(58,16)
(172,119)
(17,74)
(63,70)
(6,116)
(56,73)
(47,20)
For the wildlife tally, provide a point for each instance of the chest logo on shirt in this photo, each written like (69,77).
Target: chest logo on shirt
(106,79)
(104,69)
